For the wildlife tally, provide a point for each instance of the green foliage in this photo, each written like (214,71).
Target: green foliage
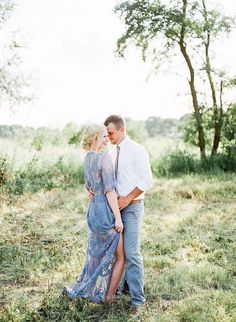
(174,163)
(42,136)
(156,126)
(188,127)
(46,136)
(147,20)
(229,131)
(6,7)
(4,170)
(37,175)
(52,166)
(136,130)
(179,162)
(16,132)
(14,84)
(144,21)
(161,30)
(76,137)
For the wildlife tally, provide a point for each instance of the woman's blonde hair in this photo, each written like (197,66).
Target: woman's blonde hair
(92,135)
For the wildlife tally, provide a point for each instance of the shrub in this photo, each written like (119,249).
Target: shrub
(35,176)
(174,163)
(3,170)
(180,162)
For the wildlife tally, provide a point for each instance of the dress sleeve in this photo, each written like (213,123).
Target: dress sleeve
(108,174)
(87,184)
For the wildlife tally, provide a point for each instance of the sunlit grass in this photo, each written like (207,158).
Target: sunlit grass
(188,244)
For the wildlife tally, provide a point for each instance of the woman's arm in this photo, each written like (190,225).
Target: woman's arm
(112,200)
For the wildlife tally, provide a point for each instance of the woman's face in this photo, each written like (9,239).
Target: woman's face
(105,140)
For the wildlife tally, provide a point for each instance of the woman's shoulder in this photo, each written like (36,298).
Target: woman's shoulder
(98,155)
(106,155)
(94,154)
(106,159)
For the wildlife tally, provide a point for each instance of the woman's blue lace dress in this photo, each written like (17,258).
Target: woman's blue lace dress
(94,279)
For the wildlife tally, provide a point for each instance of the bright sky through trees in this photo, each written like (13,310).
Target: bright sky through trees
(77,75)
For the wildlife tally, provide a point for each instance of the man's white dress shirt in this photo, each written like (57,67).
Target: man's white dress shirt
(133,168)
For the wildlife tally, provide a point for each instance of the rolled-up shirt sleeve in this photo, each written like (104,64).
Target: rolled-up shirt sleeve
(143,169)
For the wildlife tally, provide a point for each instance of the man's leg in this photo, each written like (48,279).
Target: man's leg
(131,217)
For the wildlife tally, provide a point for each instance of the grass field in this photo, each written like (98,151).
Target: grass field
(188,244)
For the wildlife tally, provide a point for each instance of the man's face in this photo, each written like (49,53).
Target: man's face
(115,135)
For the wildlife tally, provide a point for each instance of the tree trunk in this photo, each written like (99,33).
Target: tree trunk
(218,110)
(198,115)
(218,124)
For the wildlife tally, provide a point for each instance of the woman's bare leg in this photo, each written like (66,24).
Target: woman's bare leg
(117,270)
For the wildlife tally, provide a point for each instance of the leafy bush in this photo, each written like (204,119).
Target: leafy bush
(4,173)
(188,128)
(174,163)
(35,176)
(182,162)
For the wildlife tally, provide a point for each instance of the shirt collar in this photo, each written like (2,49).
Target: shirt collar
(124,142)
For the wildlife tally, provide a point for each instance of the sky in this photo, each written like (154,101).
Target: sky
(78,77)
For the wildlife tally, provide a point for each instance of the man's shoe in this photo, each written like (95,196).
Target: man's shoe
(135,311)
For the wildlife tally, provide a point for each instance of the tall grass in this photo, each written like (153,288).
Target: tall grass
(27,170)
(24,169)
(188,244)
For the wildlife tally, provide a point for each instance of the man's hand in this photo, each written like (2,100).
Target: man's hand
(123,202)
(90,194)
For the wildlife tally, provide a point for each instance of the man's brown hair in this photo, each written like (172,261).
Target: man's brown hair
(117,120)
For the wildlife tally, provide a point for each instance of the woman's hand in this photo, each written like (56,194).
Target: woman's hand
(119,225)
(90,194)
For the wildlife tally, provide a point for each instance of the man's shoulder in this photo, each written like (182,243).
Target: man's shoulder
(136,145)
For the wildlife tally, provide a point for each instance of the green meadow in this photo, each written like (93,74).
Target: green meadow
(188,242)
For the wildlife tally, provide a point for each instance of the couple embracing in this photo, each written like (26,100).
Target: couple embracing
(116,182)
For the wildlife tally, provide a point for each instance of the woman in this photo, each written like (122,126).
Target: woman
(105,259)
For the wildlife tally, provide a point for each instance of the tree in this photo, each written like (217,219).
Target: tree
(187,28)
(14,85)
(136,130)
(163,127)
(188,128)
(6,6)
(229,131)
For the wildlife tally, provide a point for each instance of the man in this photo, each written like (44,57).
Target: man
(133,178)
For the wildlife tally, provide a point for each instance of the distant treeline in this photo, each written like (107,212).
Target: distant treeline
(139,130)
(71,133)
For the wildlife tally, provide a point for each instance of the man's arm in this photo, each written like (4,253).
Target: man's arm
(125,201)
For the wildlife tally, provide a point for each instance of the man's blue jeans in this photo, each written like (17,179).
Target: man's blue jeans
(132,217)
